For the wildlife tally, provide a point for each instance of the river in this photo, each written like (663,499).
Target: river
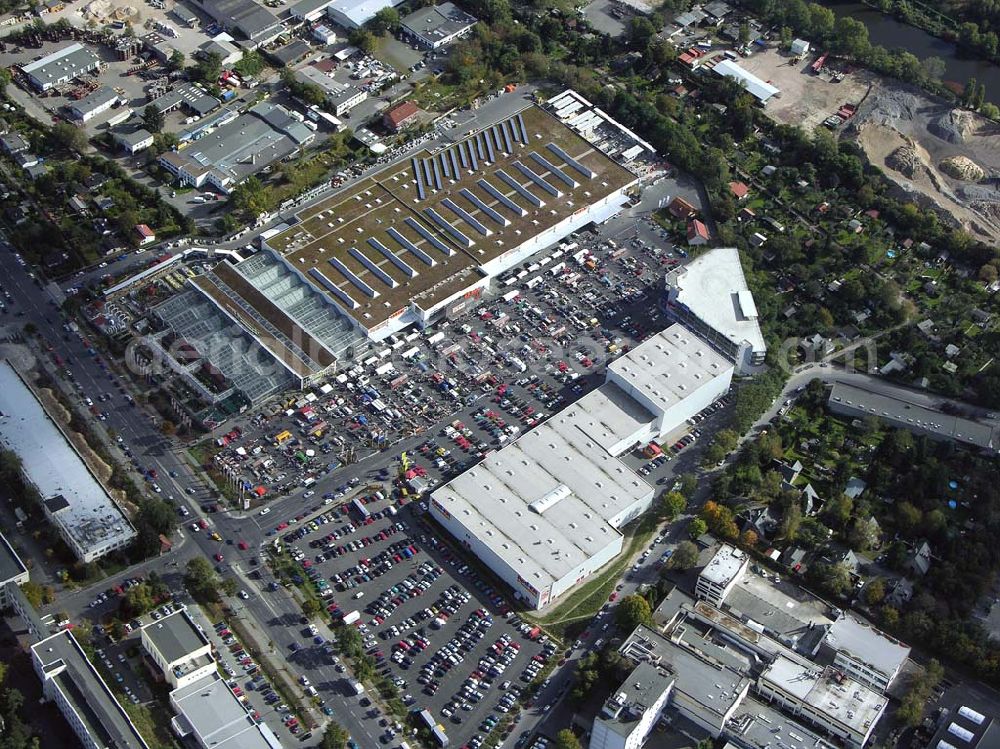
(886,31)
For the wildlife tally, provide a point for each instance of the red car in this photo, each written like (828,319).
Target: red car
(242,545)
(218,557)
(613,596)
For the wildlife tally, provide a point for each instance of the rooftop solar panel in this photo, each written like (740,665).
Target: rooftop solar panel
(503,199)
(516,186)
(474,199)
(558,151)
(393,258)
(472,156)
(490,155)
(463,157)
(333,288)
(437,173)
(505,132)
(480,149)
(442,159)
(456,234)
(428,174)
(554,170)
(537,179)
(498,139)
(466,217)
(412,248)
(454,163)
(372,266)
(355,281)
(522,128)
(429,237)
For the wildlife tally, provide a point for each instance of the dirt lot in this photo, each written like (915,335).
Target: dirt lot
(910,135)
(806,99)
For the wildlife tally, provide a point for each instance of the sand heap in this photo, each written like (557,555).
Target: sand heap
(906,161)
(962,167)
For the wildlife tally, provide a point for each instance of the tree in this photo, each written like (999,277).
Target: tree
(311,607)
(64,138)
(875,592)
(748,539)
(566,739)
(638,31)
(697,528)
(201,580)
(980,96)
(4,80)
(851,37)
(685,556)
(969,92)
(688,484)
(632,611)
(335,737)
(153,118)
(207,69)
(230,586)
(385,21)
(250,199)
(176,61)
(363,39)
(934,67)
(674,503)
(137,601)
(744,32)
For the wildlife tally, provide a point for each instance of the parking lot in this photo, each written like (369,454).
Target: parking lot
(434,628)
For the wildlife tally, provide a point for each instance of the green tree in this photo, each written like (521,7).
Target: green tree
(566,739)
(689,484)
(66,138)
(969,92)
(230,586)
(674,503)
(632,611)
(201,580)
(250,199)
(364,40)
(334,737)
(207,69)
(386,21)
(934,68)
(697,528)
(4,80)
(744,32)
(638,32)
(685,556)
(137,601)
(980,96)
(875,592)
(311,607)
(176,61)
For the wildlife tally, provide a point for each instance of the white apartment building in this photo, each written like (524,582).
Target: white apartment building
(179,649)
(632,710)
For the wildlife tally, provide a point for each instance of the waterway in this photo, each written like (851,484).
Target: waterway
(886,31)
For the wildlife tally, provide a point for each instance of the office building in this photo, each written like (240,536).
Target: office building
(721,574)
(341,97)
(632,710)
(353,14)
(70,680)
(437,26)
(75,502)
(865,653)
(710,295)
(61,66)
(180,651)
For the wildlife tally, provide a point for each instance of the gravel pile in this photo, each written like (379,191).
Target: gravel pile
(964,168)
(905,161)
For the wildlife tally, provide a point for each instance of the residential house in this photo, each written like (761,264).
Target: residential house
(739,190)
(401,116)
(146,235)
(681,209)
(919,560)
(697,233)
(855,487)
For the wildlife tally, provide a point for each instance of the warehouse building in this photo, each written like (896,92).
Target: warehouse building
(353,14)
(98,101)
(70,680)
(309,10)
(246,18)
(760,89)
(180,652)
(228,155)
(61,66)
(710,295)
(437,26)
(74,501)
(544,512)
(913,411)
(212,717)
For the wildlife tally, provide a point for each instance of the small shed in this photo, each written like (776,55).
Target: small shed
(799,47)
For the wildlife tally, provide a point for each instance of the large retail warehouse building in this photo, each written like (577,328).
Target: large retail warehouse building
(544,512)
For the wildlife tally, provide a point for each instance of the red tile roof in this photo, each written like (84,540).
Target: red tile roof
(739,189)
(697,230)
(396,116)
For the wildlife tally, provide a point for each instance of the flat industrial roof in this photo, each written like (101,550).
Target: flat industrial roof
(66,664)
(417,231)
(849,703)
(544,502)
(867,644)
(175,636)
(760,725)
(609,415)
(210,709)
(670,366)
(725,565)
(71,60)
(76,500)
(713,287)
(906,410)
(435,22)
